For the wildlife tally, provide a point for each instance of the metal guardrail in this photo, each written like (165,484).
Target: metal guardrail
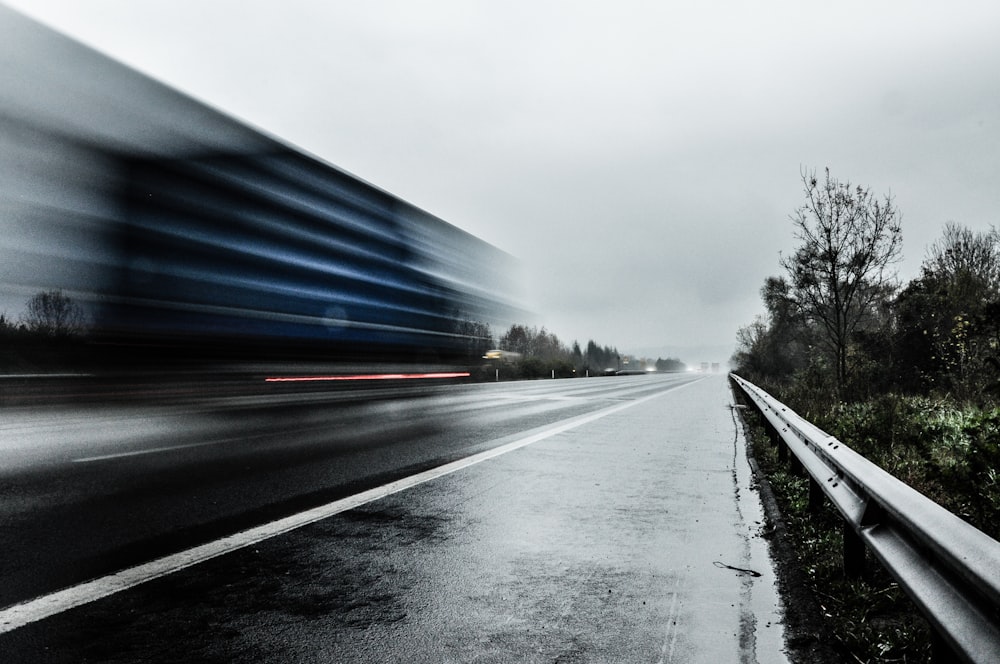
(950,569)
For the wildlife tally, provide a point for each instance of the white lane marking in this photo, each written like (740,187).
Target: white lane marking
(151,450)
(39,608)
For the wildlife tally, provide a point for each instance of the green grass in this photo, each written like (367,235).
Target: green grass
(947,451)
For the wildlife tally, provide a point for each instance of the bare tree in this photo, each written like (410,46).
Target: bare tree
(517,339)
(968,260)
(850,238)
(53,314)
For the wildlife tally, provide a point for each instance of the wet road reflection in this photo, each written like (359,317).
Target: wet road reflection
(597,543)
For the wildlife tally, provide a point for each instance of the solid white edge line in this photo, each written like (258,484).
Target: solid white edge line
(39,608)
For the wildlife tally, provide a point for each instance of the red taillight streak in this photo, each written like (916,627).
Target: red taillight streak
(398,376)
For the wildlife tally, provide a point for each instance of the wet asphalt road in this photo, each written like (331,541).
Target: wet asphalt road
(632,537)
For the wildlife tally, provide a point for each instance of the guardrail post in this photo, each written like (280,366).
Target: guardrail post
(772,433)
(776,441)
(815,495)
(941,651)
(854,553)
(794,463)
(775,438)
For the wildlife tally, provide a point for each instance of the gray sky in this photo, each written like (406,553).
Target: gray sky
(640,158)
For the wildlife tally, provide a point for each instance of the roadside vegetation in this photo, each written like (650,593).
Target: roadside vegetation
(906,374)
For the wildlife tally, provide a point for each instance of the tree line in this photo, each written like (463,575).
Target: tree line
(47,314)
(838,321)
(532,352)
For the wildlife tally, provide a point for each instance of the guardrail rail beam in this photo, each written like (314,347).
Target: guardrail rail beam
(950,569)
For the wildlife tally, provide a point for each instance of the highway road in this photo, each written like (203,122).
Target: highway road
(586,520)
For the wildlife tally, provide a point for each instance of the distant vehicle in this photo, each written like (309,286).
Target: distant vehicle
(502,355)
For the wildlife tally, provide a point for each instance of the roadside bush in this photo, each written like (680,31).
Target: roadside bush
(946,451)
(870,619)
(983,462)
(536,367)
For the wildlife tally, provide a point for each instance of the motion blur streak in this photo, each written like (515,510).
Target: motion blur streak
(300,379)
(191,240)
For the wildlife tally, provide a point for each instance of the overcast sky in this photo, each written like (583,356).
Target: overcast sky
(640,158)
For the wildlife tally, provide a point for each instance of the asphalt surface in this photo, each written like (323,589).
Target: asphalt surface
(624,529)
